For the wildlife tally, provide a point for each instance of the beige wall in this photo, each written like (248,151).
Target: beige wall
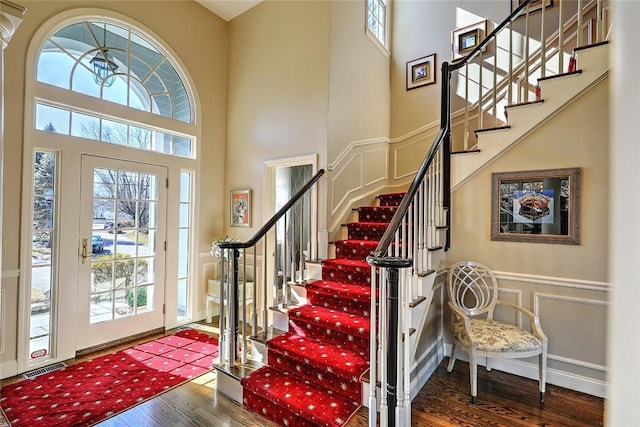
(277,93)
(359,109)
(359,81)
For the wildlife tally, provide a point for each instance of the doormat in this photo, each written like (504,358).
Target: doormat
(92,391)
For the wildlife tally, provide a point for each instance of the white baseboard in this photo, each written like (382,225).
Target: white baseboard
(425,373)
(554,376)
(8,369)
(229,386)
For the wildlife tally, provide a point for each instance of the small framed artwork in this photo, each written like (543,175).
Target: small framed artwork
(465,39)
(241,208)
(534,6)
(540,206)
(421,72)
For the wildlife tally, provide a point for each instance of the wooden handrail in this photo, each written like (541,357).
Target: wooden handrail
(443,133)
(274,219)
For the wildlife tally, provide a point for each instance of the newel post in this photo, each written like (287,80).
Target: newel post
(233,306)
(393,266)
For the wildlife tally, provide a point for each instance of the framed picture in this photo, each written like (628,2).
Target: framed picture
(465,39)
(534,6)
(421,72)
(536,206)
(241,208)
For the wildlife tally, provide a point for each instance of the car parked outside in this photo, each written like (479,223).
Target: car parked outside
(109,225)
(97,244)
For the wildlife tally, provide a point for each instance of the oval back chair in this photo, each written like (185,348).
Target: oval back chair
(473,295)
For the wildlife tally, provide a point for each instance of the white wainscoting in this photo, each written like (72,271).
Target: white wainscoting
(8,368)
(355,177)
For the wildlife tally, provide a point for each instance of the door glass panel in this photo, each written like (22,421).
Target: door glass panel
(185,236)
(123,261)
(42,254)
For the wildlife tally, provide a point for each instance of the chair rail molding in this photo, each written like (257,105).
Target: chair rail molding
(590,285)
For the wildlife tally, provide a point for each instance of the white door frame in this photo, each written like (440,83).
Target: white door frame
(270,191)
(97,334)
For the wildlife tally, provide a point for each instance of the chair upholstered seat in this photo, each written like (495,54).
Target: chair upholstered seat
(496,337)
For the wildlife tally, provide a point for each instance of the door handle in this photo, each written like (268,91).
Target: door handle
(84,253)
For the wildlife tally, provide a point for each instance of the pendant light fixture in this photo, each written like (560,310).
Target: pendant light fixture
(102,65)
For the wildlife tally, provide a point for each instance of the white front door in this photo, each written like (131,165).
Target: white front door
(121,260)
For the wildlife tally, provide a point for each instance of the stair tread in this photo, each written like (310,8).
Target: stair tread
(492,129)
(561,75)
(328,408)
(524,104)
(343,362)
(368,224)
(589,46)
(391,195)
(358,242)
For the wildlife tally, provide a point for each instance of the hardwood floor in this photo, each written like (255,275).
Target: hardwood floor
(503,400)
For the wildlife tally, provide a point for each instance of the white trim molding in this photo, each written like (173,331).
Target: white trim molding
(10,18)
(11,274)
(563,282)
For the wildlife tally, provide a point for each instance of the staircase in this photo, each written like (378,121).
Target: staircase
(322,360)
(557,92)
(315,369)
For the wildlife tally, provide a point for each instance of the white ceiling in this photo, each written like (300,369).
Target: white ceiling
(228,9)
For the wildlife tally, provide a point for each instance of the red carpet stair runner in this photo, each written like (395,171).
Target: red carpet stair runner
(314,371)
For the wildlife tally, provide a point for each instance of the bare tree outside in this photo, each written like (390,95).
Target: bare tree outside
(131,190)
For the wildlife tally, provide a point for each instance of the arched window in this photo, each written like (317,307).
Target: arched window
(117,64)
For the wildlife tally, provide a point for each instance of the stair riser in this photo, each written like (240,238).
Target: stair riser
(339,384)
(334,302)
(392,199)
(347,274)
(359,344)
(375,214)
(347,250)
(274,412)
(357,231)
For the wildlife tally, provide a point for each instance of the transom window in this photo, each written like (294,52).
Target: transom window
(116,64)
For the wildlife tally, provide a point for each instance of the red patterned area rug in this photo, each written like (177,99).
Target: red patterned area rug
(92,391)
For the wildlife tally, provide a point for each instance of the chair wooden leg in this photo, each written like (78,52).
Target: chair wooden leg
(473,373)
(452,358)
(542,366)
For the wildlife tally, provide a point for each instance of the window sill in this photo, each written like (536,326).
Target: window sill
(377,43)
